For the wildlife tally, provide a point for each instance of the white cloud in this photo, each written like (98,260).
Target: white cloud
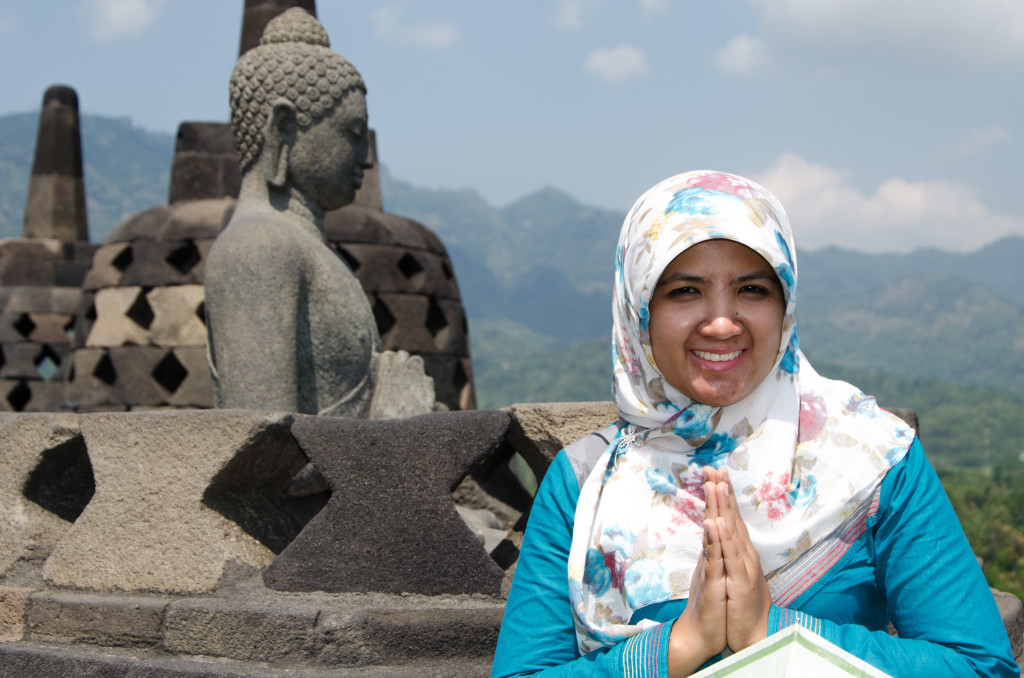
(743,55)
(569,14)
(900,216)
(432,34)
(109,20)
(978,141)
(979,32)
(617,64)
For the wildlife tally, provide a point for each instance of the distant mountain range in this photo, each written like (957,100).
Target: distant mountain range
(535,277)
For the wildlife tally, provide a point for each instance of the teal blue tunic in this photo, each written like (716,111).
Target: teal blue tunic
(911,565)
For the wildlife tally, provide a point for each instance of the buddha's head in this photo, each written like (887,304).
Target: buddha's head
(298,110)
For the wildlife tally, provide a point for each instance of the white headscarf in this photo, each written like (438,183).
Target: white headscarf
(803,452)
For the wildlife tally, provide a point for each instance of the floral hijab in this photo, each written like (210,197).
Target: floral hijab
(804,453)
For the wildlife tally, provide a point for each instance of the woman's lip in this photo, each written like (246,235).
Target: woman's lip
(718,361)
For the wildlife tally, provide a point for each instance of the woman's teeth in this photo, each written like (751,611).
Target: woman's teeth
(717,357)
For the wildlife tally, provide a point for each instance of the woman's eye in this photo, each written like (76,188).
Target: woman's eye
(759,290)
(681,291)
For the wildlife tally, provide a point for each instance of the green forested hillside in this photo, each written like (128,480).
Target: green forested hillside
(127,169)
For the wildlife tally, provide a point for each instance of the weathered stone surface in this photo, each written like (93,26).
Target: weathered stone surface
(197,219)
(394,269)
(205,162)
(196,390)
(1010,610)
(176,316)
(13,612)
(19,660)
(113,325)
(31,395)
(108,265)
(393,478)
(238,629)
(423,324)
(539,431)
(27,530)
(44,299)
(403,390)
(126,621)
(141,225)
(55,203)
(149,526)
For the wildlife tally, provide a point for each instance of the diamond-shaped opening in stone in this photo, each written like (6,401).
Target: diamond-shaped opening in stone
(123,259)
(90,313)
(436,319)
(383,315)
(104,370)
(62,482)
(140,312)
(47,362)
(447,270)
(69,329)
(24,325)
(169,372)
(19,396)
(409,265)
(253,489)
(184,258)
(492,478)
(201,312)
(3,359)
(349,258)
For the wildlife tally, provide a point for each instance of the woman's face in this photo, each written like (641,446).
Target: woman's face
(716,322)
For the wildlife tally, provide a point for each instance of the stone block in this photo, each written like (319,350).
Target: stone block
(121,621)
(392,478)
(539,431)
(50,328)
(20,361)
(394,269)
(407,634)
(150,526)
(14,602)
(134,367)
(422,324)
(141,225)
(108,265)
(1010,610)
(197,219)
(91,381)
(33,299)
(199,175)
(177,316)
(69,273)
(241,629)
(196,389)
(153,263)
(23,271)
(32,395)
(28,531)
(114,325)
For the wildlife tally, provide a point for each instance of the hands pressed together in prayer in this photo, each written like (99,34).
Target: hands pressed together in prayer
(729,598)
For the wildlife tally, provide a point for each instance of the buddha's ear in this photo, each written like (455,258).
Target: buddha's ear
(278,139)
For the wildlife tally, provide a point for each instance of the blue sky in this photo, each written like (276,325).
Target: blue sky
(883,125)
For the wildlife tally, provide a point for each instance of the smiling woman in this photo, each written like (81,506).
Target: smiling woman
(740,492)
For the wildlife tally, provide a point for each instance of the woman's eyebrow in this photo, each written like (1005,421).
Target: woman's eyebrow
(757,275)
(679,276)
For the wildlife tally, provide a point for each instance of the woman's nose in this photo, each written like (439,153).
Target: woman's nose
(721,326)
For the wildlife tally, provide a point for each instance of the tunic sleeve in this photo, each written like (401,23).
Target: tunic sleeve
(537,634)
(936,595)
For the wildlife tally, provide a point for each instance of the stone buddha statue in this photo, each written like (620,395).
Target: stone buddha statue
(289,327)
